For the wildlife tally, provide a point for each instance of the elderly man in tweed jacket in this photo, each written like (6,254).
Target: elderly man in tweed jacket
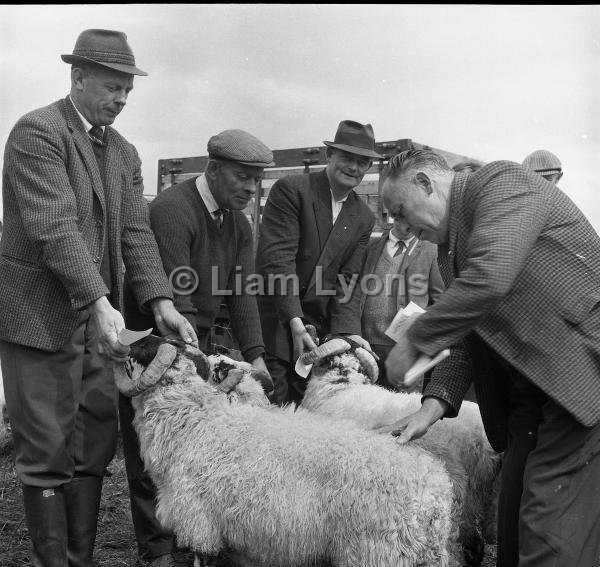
(523,267)
(74,214)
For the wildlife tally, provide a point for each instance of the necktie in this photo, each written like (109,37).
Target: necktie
(400,248)
(96,135)
(219,217)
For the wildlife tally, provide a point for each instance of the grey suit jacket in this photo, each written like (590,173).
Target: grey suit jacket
(298,239)
(523,268)
(57,215)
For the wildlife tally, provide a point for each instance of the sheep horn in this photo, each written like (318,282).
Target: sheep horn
(234,377)
(330,348)
(368,362)
(165,356)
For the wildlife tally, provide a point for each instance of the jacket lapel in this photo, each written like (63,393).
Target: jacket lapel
(319,187)
(337,239)
(456,194)
(84,147)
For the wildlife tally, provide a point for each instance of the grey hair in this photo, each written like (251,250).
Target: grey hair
(411,160)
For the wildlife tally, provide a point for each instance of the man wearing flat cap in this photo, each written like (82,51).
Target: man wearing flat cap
(546,164)
(74,214)
(205,243)
(313,237)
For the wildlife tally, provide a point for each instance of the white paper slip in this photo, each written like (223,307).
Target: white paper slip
(402,318)
(127,337)
(423,364)
(302,369)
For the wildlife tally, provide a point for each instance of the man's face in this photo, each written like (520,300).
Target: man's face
(425,215)
(345,170)
(233,184)
(101,93)
(401,229)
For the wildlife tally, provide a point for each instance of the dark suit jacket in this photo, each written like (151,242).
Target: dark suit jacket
(419,270)
(297,238)
(57,213)
(523,264)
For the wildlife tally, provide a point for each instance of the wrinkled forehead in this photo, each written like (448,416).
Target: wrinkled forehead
(395,193)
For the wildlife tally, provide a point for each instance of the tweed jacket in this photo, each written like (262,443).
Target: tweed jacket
(298,239)
(57,215)
(523,267)
(419,270)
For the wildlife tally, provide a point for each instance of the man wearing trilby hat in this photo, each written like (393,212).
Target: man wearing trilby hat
(313,236)
(74,214)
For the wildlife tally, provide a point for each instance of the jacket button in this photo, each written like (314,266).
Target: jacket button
(99,223)
(96,260)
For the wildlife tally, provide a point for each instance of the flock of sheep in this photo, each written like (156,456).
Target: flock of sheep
(308,485)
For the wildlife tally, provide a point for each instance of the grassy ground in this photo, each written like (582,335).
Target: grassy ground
(115,543)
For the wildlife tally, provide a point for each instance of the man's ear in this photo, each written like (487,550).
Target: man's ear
(211,169)
(423,180)
(77,76)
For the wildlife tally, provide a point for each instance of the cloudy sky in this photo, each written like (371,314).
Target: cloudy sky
(490,82)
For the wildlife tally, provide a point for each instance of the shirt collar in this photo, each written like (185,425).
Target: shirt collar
(86,124)
(394,239)
(205,193)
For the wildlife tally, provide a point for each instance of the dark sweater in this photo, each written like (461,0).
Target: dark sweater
(188,236)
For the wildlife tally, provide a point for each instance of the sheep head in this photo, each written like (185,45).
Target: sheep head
(151,358)
(227,373)
(346,354)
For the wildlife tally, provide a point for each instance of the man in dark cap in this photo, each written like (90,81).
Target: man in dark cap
(546,164)
(205,242)
(313,236)
(74,214)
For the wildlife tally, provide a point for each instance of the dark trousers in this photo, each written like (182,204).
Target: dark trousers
(288,386)
(62,408)
(560,507)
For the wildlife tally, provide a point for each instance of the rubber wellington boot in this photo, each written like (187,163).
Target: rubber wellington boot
(45,512)
(83,504)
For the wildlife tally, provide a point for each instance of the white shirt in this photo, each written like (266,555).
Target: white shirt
(86,124)
(207,196)
(393,241)
(336,206)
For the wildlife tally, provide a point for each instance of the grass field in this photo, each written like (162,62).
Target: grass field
(115,543)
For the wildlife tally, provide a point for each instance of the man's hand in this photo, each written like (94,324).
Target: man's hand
(417,424)
(301,339)
(398,362)
(109,323)
(264,377)
(171,323)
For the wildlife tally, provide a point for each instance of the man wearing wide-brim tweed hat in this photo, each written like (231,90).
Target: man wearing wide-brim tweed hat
(313,237)
(521,314)
(74,214)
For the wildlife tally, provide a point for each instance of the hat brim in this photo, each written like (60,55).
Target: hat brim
(354,150)
(128,69)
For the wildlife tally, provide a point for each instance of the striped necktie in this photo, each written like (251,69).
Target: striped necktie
(96,135)
(400,249)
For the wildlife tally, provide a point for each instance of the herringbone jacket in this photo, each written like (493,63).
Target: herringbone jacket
(57,213)
(523,267)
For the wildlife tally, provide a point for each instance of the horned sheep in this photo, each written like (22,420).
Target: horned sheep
(279,486)
(341,386)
